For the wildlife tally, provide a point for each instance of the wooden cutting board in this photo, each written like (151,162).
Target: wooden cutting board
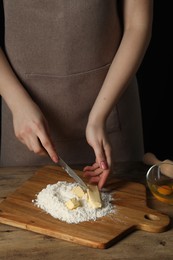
(131,212)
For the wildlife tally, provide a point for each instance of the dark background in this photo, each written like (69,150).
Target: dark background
(155,83)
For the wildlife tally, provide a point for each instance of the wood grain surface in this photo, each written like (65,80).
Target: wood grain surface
(131,213)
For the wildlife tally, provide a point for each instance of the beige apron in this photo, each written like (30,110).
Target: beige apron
(61,52)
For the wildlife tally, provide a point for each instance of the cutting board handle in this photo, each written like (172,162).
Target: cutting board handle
(154,221)
(147,219)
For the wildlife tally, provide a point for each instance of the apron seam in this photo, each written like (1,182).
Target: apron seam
(47,75)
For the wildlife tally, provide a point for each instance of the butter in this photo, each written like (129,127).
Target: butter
(72,203)
(94,198)
(78,191)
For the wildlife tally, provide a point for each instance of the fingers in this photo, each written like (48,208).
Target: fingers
(97,138)
(34,145)
(103,158)
(47,144)
(108,155)
(99,177)
(93,170)
(100,170)
(100,157)
(38,140)
(103,179)
(96,174)
(102,150)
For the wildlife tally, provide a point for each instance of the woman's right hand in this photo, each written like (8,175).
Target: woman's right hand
(31,128)
(30,125)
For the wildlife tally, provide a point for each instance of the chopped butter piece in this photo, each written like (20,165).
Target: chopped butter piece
(94,196)
(78,191)
(72,203)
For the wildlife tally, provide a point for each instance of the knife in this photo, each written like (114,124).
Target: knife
(71,173)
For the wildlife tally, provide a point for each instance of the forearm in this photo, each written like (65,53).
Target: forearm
(11,89)
(123,68)
(30,125)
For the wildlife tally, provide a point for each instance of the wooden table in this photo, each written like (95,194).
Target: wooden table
(19,244)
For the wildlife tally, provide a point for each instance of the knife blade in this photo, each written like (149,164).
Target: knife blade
(72,173)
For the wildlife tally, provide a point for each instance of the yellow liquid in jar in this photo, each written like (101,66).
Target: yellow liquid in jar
(163,192)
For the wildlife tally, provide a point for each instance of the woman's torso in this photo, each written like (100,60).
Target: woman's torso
(61,52)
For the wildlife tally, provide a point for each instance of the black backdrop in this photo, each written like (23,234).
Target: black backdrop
(155,83)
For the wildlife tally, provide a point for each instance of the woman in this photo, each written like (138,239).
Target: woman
(67,79)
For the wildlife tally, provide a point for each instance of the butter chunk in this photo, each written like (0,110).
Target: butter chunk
(72,203)
(78,191)
(94,198)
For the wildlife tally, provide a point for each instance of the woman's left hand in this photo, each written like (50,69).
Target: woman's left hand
(97,138)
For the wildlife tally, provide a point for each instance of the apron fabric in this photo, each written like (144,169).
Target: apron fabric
(61,52)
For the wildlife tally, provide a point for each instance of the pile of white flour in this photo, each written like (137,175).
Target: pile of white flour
(52,200)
